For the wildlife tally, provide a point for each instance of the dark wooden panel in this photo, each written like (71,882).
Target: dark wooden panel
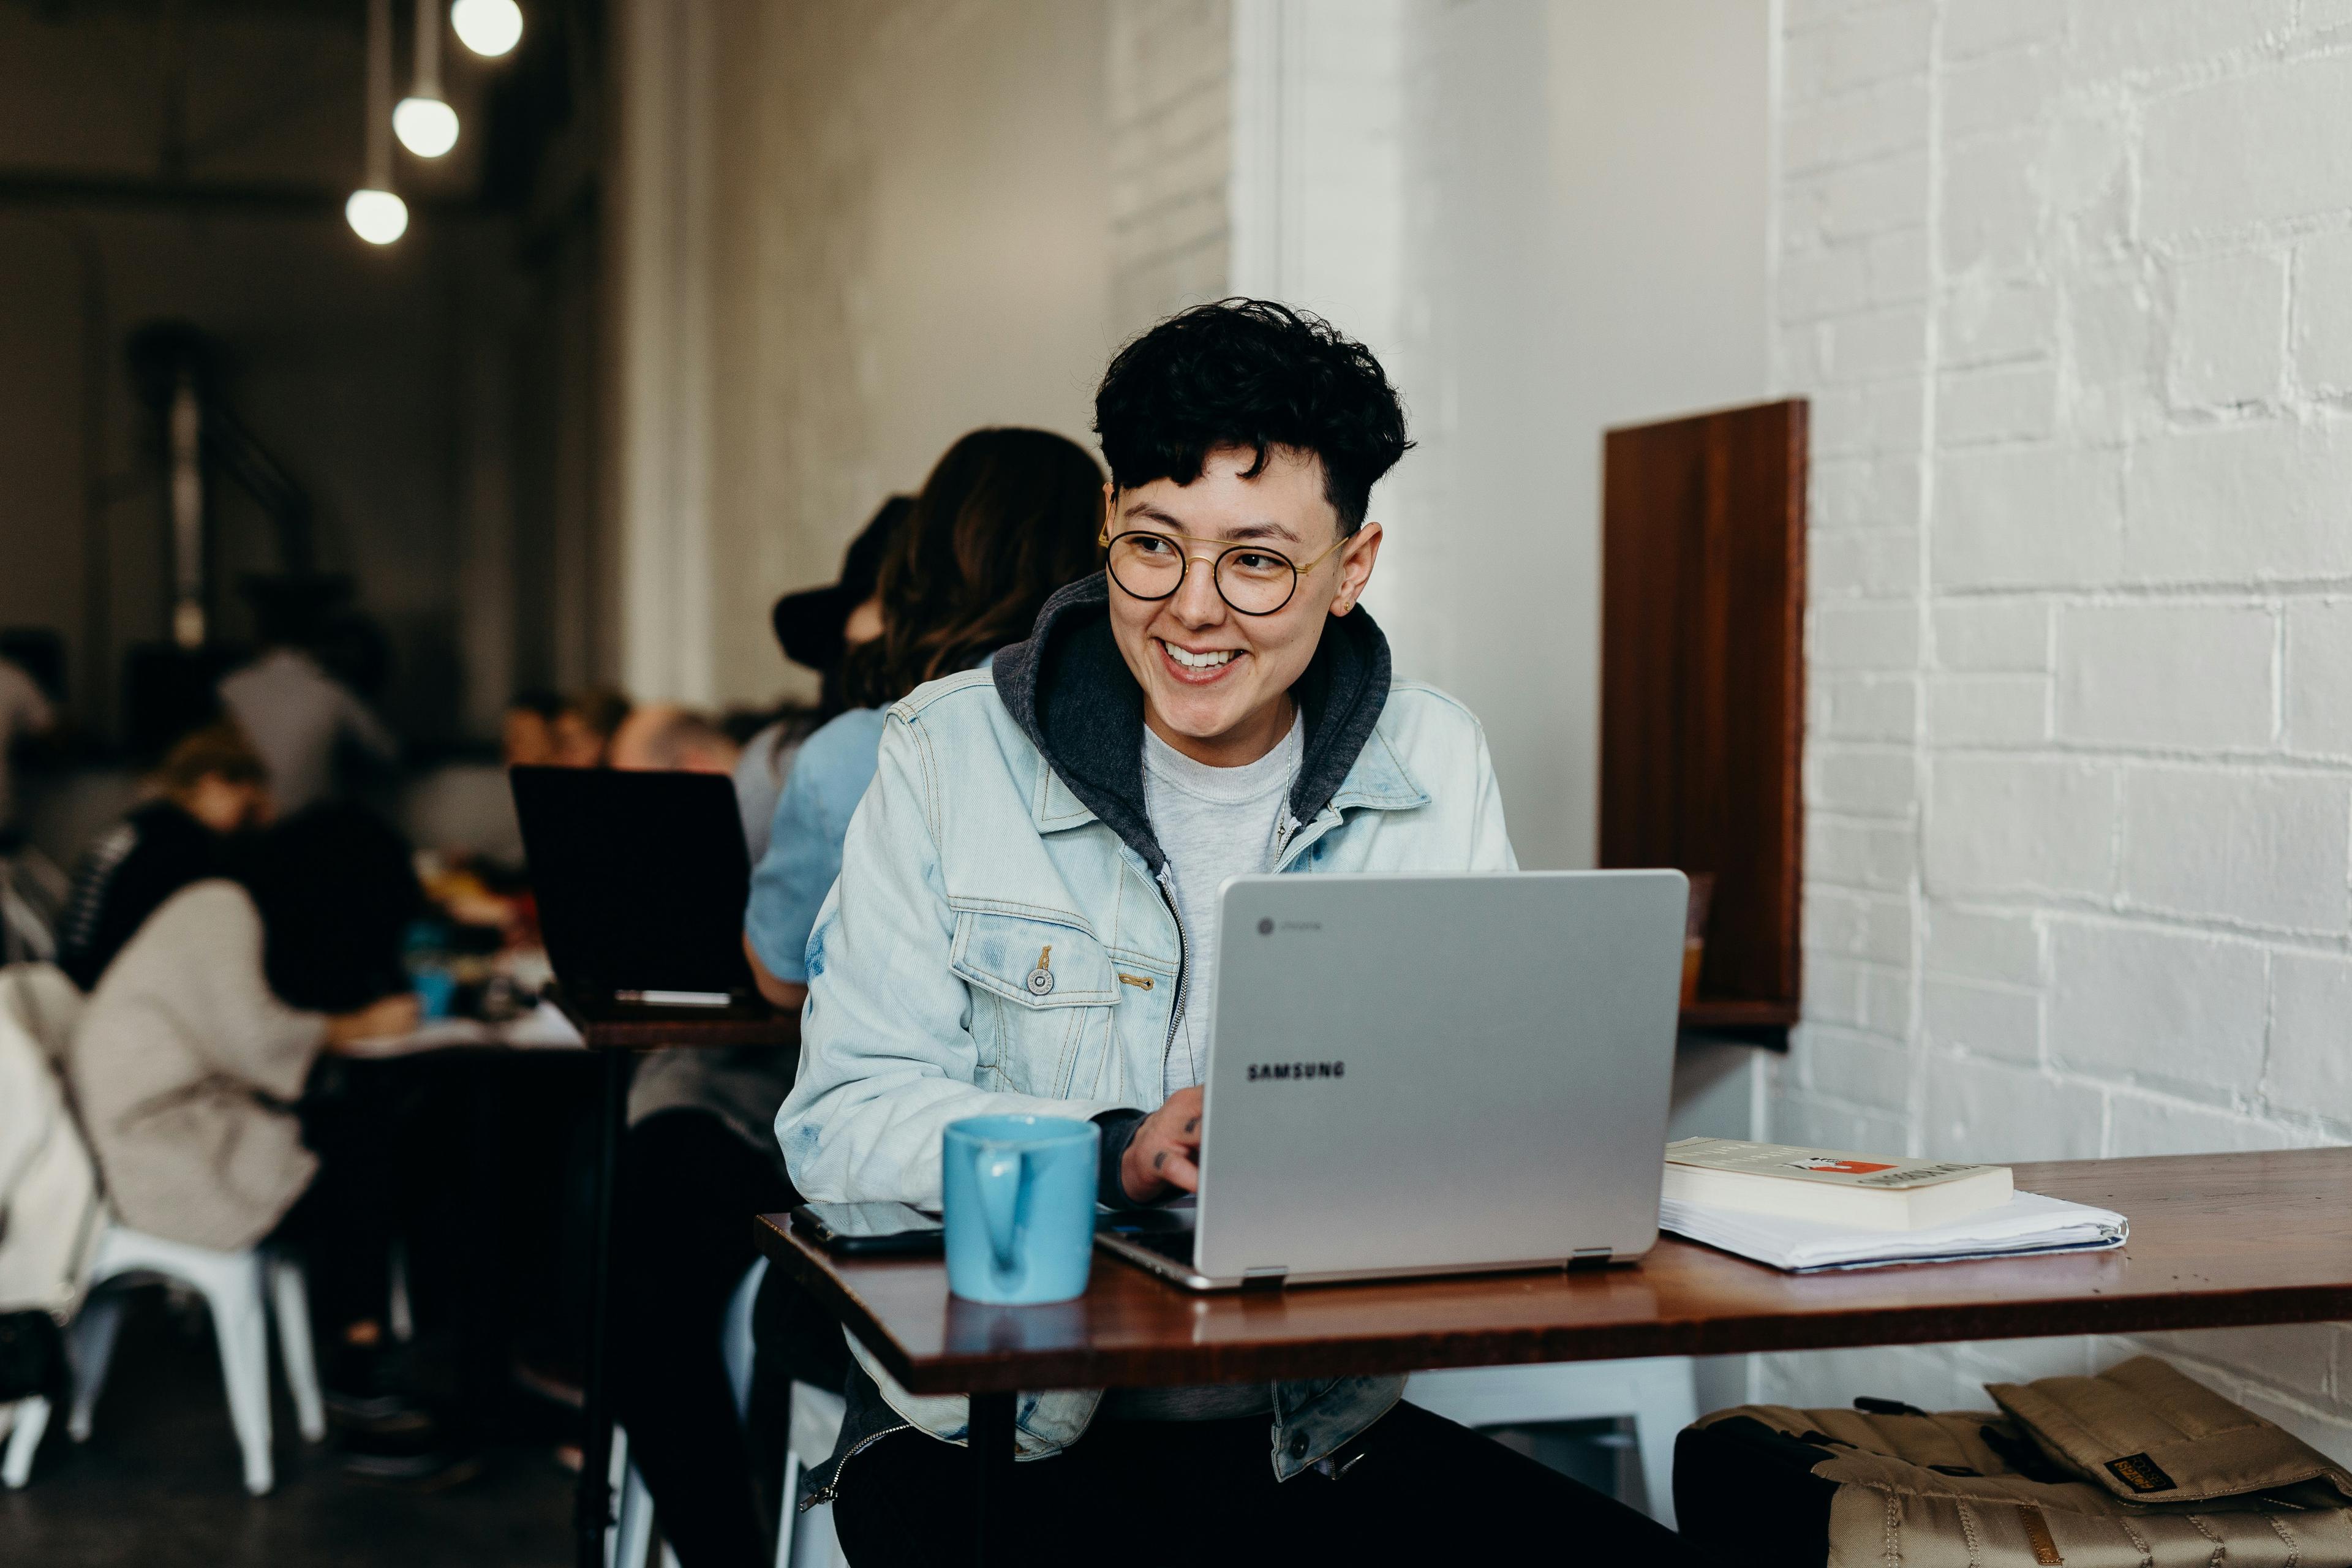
(1702,680)
(2216,1240)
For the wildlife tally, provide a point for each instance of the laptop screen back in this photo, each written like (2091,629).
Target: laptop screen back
(640,877)
(1436,1072)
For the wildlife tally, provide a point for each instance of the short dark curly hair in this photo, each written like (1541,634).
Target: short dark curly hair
(1250,372)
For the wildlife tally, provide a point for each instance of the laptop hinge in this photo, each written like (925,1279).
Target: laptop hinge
(1590,1257)
(1268,1275)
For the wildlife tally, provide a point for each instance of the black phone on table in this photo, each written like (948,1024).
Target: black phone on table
(870,1229)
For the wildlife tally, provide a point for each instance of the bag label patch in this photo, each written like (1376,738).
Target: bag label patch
(2140,1473)
(2037,1535)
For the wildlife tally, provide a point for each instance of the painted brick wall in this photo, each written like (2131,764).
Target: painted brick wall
(2070,287)
(1169,106)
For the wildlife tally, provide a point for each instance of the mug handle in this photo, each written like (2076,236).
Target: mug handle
(998,1167)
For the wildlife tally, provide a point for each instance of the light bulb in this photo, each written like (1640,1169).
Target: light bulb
(488,27)
(377,216)
(426,126)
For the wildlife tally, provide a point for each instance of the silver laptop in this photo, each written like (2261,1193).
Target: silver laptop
(1429,1075)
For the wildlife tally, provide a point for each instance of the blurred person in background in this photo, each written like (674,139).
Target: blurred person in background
(212,786)
(527,730)
(24,712)
(666,737)
(585,725)
(296,713)
(1006,517)
(993,535)
(192,1067)
(814,627)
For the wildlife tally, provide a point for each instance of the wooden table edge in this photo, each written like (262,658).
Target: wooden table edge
(773,1234)
(675,1028)
(1767,1327)
(1928,1324)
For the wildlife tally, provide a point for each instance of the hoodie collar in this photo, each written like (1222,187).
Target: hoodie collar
(1073,697)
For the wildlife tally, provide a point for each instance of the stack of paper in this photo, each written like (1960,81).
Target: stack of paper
(2029,1222)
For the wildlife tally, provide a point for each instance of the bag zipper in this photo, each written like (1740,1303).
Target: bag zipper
(832,1489)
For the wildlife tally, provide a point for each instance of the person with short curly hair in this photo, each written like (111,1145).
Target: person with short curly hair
(1213,703)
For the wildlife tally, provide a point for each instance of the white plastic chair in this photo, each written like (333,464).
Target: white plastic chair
(1656,1392)
(28,1419)
(806,1540)
(232,1285)
(53,1216)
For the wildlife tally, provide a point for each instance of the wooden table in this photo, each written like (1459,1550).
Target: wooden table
(2216,1240)
(619,1032)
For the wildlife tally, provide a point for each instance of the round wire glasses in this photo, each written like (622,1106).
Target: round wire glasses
(1251,578)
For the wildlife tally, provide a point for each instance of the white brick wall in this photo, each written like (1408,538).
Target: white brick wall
(1168,100)
(2070,287)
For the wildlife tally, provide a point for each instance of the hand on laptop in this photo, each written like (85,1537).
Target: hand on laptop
(1162,1158)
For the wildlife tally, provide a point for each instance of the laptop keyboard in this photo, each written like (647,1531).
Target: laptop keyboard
(1176,1246)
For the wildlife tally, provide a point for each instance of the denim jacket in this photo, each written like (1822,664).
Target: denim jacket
(1006,816)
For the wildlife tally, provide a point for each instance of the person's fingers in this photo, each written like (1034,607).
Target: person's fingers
(1180,1172)
(1163,1153)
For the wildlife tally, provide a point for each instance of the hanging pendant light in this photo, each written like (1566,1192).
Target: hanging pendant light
(488,27)
(424,121)
(374,213)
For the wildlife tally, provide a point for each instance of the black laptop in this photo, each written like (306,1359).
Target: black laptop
(640,878)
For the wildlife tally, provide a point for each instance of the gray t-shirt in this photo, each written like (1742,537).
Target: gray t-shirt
(1212,823)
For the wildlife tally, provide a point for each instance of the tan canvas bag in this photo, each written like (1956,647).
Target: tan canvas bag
(2148,1433)
(1977,1490)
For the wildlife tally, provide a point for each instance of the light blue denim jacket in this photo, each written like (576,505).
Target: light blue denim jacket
(971,852)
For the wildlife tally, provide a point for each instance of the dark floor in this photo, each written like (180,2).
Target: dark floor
(159,1484)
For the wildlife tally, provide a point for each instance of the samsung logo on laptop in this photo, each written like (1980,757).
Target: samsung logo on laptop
(1296,1069)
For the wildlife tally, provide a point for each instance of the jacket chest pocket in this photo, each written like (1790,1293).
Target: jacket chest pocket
(1042,1001)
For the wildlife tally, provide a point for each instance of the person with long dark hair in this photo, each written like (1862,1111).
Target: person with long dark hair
(1006,517)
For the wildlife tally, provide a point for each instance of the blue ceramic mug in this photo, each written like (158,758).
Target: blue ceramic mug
(1019,1195)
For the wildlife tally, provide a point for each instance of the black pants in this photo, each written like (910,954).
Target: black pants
(1195,1492)
(682,1238)
(369,1126)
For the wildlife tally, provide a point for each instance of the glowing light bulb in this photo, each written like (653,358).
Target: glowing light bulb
(377,216)
(488,27)
(426,126)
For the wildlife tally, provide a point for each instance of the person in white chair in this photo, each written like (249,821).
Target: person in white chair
(193,1065)
(1216,702)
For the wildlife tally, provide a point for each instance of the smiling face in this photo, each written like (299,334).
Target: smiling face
(1216,683)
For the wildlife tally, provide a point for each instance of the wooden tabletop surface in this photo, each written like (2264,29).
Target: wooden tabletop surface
(609,1025)
(2216,1240)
